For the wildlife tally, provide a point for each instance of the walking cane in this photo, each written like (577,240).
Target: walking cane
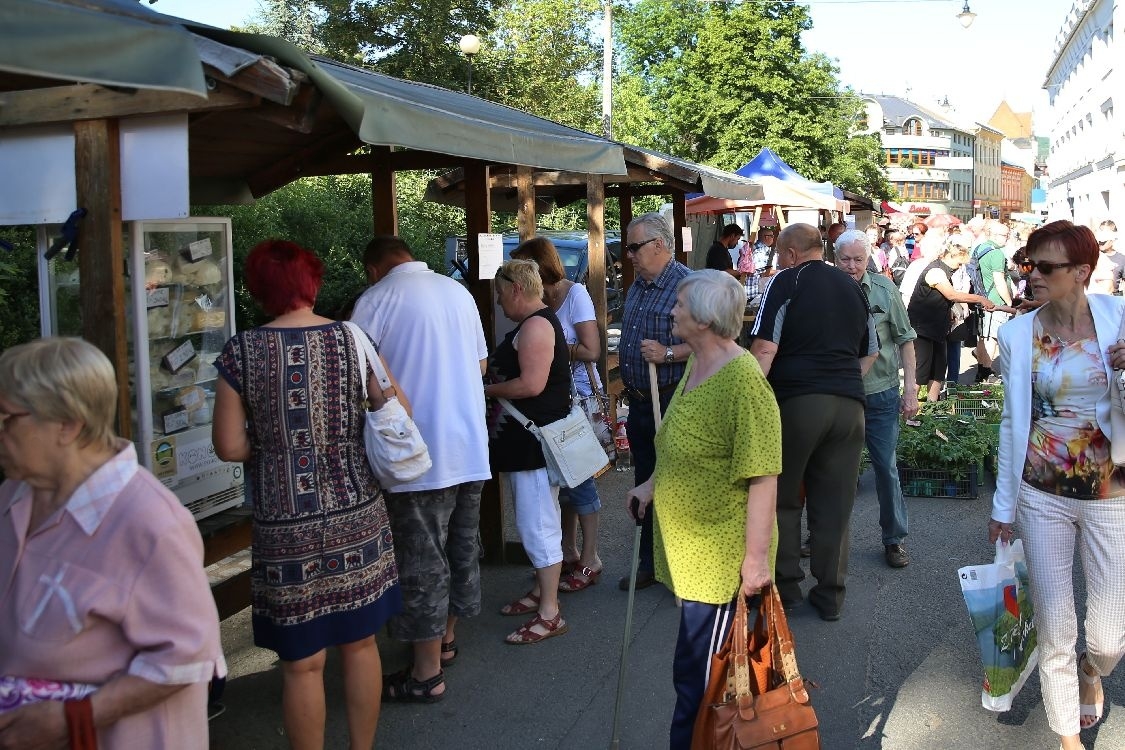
(615,743)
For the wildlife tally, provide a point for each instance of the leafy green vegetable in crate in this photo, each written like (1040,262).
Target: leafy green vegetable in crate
(946,442)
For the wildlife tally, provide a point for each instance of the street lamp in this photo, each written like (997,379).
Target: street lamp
(966,16)
(470,46)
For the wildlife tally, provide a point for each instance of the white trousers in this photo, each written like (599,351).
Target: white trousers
(538,517)
(1050,525)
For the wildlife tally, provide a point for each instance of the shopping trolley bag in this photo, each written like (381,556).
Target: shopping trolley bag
(999,603)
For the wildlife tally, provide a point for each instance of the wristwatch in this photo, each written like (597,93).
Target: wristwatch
(669,355)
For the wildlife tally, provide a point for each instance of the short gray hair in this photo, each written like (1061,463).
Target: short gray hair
(63,379)
(716,299)
(854,237)
(524,272)
(659,226)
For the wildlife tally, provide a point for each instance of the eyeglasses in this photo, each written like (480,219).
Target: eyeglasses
(1103,243)
(5,416)
(633,247)
(501,275)
(1045,268)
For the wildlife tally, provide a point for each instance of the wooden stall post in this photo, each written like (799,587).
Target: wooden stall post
(525,191)
(595,282)
(679,221)
(478,220)
(101,256)
(384,198)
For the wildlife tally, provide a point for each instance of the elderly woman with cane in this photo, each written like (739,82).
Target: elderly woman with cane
(718,454)
(1060,477)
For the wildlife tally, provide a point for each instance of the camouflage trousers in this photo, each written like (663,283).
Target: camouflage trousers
(438,557)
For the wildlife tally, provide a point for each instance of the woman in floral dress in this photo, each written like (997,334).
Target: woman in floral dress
(290,405)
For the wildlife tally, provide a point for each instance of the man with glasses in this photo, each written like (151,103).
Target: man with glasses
(880,388)
(1108,277)
(646,336)
(763,250)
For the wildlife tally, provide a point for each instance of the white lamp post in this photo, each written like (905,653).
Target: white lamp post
(966,16)
(470,46)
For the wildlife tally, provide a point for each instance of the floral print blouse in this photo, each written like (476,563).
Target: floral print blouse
(1067,453)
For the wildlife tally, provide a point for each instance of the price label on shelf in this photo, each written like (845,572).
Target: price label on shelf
(198,250)
(157,297)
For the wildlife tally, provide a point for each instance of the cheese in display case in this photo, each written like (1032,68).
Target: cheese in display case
(187,301)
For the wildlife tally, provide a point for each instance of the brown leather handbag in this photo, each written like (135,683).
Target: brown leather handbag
(756,697)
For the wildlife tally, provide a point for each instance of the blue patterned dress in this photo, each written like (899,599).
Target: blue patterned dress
(323,566)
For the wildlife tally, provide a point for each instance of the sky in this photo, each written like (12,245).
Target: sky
(911,48)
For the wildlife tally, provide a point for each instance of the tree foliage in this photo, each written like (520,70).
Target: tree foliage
(725,79)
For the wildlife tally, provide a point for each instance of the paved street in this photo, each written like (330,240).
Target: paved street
(899,671)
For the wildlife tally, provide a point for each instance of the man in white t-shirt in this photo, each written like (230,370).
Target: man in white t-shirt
(428,330)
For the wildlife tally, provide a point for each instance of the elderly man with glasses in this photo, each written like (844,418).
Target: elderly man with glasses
(880,388)
(646,336)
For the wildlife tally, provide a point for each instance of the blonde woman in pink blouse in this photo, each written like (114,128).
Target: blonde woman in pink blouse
(102,588)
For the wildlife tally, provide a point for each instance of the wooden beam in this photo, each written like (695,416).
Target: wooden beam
(303,163)
(264,78)
(300,117)
(478,220)
(627,272)
(679,221)
(85,101)
(525,217)
(384,199)
(101,255)
(595,281)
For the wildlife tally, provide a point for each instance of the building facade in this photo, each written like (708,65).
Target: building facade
(1086,163)
(928,158)
(1015,190)
(986,171)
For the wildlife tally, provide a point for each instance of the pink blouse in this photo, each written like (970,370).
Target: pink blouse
(112,583)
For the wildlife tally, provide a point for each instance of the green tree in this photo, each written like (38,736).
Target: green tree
(732,78)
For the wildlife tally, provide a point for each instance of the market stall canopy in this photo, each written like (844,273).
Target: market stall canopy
(272,113)
(775,192)
(111,42)
(643,166)
(769,164)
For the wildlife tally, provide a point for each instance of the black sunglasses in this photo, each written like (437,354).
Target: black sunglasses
(1044,267)
(501,275)
(1103,243)
(633,247)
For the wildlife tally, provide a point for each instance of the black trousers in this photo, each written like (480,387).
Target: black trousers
(821,441)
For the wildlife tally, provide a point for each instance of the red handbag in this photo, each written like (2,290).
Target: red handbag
(756,697)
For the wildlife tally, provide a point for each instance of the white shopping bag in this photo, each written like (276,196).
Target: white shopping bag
(999,603)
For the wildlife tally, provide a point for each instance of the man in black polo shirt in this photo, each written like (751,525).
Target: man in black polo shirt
(718,256)
(815,338)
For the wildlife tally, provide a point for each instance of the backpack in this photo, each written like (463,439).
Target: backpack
(972,268)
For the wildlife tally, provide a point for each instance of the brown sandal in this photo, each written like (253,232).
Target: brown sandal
(578,580)
(526,635)
(520,606)
(449,653)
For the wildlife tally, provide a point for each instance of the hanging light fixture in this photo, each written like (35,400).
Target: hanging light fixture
(966,16)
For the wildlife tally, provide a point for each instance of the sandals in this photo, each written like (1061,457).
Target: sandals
(401,687)
(1089,689)
(578,580)
(529,602)
(527,635)
(451,649)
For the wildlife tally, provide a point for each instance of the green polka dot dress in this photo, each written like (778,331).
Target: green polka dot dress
(712,441)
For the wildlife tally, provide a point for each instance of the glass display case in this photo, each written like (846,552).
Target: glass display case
(180,308)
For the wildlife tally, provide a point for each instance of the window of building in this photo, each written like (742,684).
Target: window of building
(912,127)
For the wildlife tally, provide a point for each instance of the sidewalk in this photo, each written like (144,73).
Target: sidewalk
(899,671)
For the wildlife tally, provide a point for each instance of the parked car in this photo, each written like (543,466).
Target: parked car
(573,249)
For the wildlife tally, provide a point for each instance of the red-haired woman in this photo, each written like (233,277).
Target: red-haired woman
(1057,479)
(290,405)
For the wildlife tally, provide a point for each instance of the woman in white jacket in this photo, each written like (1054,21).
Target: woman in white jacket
(1057,477)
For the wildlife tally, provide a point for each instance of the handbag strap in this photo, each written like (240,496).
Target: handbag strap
(518,416)
(367,355)
(740,651)
(781,637)
(603,399)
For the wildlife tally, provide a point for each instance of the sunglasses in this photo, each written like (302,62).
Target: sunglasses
(506,277)
(1045,268)
(633,247)
(1103,243)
